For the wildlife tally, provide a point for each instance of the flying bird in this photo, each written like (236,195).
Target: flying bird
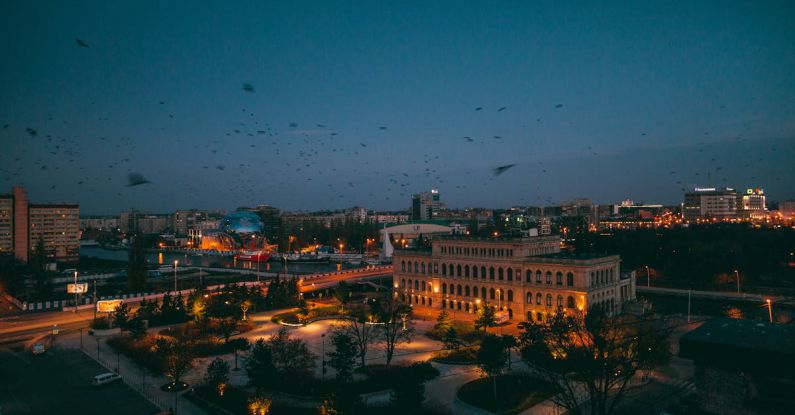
(136,179)
(248,87)
(81,43)
(502,169)
(559,106)
(501,109)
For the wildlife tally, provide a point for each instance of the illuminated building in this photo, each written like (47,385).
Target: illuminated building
(23,225)
(529,278)
(425,206)
(710,203)
(754,199)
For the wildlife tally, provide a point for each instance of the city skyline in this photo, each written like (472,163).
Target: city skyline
(332,106)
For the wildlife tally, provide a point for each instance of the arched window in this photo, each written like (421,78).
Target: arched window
(458,271)
(444,290)
(593,280)
(570,279)
(529,298)
(402,283)
(444,269)
(510,274)
(430,302)
(466,291)
(528,276)
(560,301)
(416,284)
(549,277)
(538,277)
(549,300)
(422,267)
(423,286)
(416,268)
(510,295)
(539,298)
(475,291)
(482,272)
(570,302)
(491,273)
(483,293)
(458,290)
(491,293)
(499,274)
(559,278)
(403,266)
(466,271)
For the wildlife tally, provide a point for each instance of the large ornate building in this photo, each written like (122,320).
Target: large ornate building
(529,278)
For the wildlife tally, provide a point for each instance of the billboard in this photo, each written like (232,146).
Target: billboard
(80,288)
(108,306)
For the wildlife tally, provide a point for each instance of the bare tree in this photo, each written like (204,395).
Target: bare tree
(593,358)
(394,325)
(360,327)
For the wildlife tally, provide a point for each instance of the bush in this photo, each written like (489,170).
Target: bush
(515,393)
(100,323)
(460,356)
(465,331)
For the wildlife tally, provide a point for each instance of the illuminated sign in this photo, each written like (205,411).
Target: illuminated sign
(81,288)
(108,306)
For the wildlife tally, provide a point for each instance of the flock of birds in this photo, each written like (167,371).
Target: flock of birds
(304,152)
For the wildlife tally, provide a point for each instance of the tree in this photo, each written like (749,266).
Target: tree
(217,374)
(227,327)
(136,327)
(343,358)
(394,329)
(593,357)
(450,339)
(121,314)
(137,268)
(259,405)
(485,318)
(179,359)
(291,357)
(508,342)
(364,334)
(409,386)
(342,292)
(491,358)
(198,308)
(42,277)
(259,367)
(443,322)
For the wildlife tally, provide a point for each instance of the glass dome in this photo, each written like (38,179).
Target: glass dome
(241,222)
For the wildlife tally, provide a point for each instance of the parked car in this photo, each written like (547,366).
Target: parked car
(105,378)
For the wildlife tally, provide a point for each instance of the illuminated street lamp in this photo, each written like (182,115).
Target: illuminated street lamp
(175,275)
(769,309)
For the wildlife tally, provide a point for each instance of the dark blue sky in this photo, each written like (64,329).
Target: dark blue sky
(606,102)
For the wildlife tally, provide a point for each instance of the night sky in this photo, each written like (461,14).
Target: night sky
(327,105)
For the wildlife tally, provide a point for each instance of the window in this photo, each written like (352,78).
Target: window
(593,280)
(539,316)
(570,302)
(528,277)
(499,274)
(510,295)
(491,273)
(444,290)
(559,278)
(452,289)
(403,283)
(539,298)
(458,289)
(416,284)
(403,266)
(416,268)
(466,271)
(570,279)
(538,277)
(529,298)
(475,291)
(422,268)
(483,293)
(466,291)
(549,300)
(423,286)
(549,277)
(560,301)
(458,271)
(491,293)
(444,269)
(482,272)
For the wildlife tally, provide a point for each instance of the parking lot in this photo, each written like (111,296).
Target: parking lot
(59,381)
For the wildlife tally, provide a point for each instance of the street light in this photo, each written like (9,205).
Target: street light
(769,309)
(737,277)
(175,275)
(648,277)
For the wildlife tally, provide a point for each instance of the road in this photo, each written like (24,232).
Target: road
(59,382)
(26,326)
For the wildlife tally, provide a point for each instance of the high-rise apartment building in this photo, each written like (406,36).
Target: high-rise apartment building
(425,206)
(709,203)
(23,225)
(184,221)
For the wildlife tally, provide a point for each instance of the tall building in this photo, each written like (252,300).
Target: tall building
(709,203)
(528,278)
(425,206)
(753,199)
(134,220)
(23,225)
(184,221)
(787,209)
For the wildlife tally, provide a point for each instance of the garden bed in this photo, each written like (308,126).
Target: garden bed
(515,393)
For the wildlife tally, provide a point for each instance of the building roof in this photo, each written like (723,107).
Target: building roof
(54,205)
(746,345)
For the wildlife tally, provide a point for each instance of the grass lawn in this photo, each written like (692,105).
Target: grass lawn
(515,393)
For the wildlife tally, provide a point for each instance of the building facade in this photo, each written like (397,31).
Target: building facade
(709,203)
(529,278)
(102,223)
(23,224)
(425,206)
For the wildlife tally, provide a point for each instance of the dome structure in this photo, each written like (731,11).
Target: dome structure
(241,222)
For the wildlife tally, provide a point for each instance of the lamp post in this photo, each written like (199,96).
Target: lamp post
(769,309)
(75,288)
(737,277)
(499,298)
(175,275)
(648,277)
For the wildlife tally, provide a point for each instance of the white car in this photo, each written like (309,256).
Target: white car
(105,378)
